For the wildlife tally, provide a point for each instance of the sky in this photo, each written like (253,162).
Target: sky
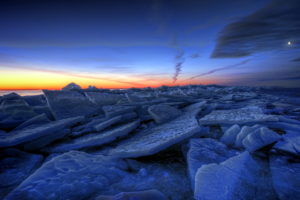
(46,44)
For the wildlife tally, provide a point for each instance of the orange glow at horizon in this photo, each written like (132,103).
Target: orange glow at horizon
(37,80)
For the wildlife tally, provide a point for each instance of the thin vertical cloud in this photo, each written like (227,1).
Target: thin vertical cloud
(179,59)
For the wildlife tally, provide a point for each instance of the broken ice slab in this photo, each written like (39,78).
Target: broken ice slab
(34,121)
(14,112)
(140,195)
(286,176)
(26,135)
(239,177)
(260,138)
(290,144)
(65,104)
(160,137)
(205,151)
(163,113)
(101,99)
(229,137)
(94,139)
(73,175)
(237,116)
(15,166)
(115,110)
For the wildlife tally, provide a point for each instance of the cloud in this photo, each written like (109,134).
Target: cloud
(179,58)
(296,60)
(281,78)
(287,76)
(269,28)
(219,69)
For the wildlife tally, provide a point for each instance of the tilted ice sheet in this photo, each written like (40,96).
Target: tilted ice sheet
(73,175)
(237,116)
(95,139)
(26,135)
(160,137)
(240,177)
(65,104)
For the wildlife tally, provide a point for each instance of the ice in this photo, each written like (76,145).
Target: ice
(140,195)
(107,123)
(169,178)
(260,138)
(286,176)
(230,135)
(39,143)
(290,143)
(35,121)
(27,135)
(115,110)
(163,113)
(35,100)
(205,151)
(15,166)
(65,104)
(101,99)
(240,177)
(73,175)
(78,175)
(14,112)
(245,131)
(95,139)
(210,142)
(237,116)
(160,137)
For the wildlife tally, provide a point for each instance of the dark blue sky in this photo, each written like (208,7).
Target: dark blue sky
(149,43)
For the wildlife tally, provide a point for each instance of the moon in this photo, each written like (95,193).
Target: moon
(289,43)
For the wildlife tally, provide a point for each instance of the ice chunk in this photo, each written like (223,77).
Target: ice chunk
(101,99)
(163,113)
(15,112)
(237,116)
(239,177)
(65,104)
(45,140)
(26,135)
(160,137)
(260,138)
(35,121)
(140,195)
(15,166)
(290,143)
(115,110)
(73,175)
(35,100)
(205,151)
(245,131)
(230,135)
(286,177)
(107,123)
(95,139)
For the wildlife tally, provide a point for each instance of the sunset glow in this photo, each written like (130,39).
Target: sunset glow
(145,44)
(30,80)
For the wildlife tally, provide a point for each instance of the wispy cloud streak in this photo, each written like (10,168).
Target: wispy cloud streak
(219,69)
(179,59)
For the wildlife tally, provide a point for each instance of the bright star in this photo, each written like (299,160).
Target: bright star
(289,43)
